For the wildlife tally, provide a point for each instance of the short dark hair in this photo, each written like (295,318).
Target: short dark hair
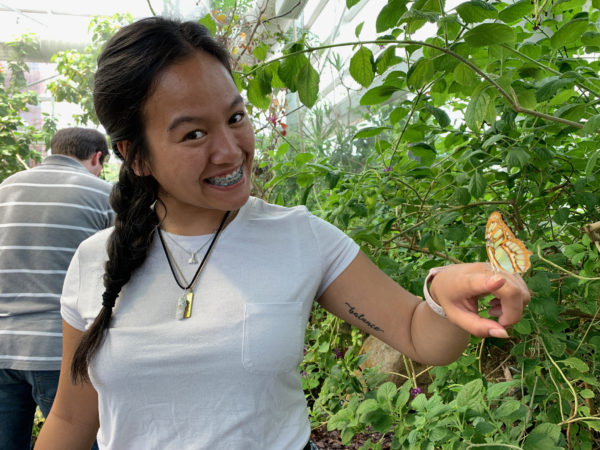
(80,143)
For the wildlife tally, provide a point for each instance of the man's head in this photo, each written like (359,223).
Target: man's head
(87,146)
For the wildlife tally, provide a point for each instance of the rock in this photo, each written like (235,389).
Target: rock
(391,360)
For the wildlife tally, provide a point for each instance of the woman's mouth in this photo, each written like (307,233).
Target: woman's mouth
(226,180)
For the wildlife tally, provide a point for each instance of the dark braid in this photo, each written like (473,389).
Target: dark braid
(128,68)
(127,248)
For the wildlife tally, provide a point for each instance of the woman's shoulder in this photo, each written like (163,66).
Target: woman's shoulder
(260,209)
(96,243)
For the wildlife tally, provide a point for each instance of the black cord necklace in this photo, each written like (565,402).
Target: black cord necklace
(184,303)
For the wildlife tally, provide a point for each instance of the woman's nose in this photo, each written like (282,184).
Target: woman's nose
(225,148)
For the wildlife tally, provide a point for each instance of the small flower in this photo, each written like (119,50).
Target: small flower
(388,169)
(338,353)
(304,374)
(415,391)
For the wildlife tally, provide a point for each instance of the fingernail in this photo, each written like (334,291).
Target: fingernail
(498,333)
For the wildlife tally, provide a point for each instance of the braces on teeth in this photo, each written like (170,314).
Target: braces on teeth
(228,179)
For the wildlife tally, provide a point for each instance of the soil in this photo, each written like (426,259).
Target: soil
(331,440)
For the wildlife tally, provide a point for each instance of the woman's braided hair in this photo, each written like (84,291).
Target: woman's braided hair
(128,69)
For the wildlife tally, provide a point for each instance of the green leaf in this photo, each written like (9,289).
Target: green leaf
(470,395)
(307,83)
(257,93)
(358,29)
(489,33)
(339,420)
(377,95)
(361,66)
(576,363)
(464,75)
(369,132)
(260,51)
(419,402)
(551,430)
(492,140)
(496,390)
(390,15)
(209,23)
(351,3)
(282,150)
(587,393)
(591,38)
(368,406)
(420,73)
(569,33)
(477,185)
(517,157)
(303,158)
(592,125)
(387,59)
(440,115)
(507,408)
(515,12)
(386,392)
(591,164)
(550,87)
(477,109)
(461,196)
(289,69)
(476,11)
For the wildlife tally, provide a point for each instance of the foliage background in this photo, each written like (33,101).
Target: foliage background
(497,111)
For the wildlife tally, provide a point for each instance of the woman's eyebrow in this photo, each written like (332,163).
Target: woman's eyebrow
(186,119)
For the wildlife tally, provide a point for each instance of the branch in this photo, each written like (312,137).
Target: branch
(512,101)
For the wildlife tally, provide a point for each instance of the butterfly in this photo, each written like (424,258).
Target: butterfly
(505,252)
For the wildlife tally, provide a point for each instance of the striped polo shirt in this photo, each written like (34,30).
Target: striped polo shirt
(45,213)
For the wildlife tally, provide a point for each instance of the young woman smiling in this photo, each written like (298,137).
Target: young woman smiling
(184,325)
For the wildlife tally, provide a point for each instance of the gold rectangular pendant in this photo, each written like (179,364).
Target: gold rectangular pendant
(189,298)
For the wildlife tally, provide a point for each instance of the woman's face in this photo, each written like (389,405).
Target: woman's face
(201,141)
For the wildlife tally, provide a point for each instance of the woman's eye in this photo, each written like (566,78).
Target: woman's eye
(196,134)
(237,117)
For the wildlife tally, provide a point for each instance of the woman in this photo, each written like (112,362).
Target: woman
(207,291)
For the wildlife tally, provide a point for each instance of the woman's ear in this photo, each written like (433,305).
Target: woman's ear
(123,147)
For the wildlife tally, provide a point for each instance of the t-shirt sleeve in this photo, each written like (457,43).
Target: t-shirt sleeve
(70,296)
(337,250)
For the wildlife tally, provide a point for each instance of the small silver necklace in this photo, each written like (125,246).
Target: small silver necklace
(183,308)
(192,255)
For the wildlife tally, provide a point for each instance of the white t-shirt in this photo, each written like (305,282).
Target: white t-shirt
(226,378)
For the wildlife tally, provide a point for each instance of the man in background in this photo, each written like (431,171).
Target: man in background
(45,212)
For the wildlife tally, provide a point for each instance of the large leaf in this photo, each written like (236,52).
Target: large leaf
(440,115)
(289,69)
(569,33)
(477,109)
(476,11)
(477,185)
(378,94)
(389,15)
(420,73)
(515,12)
(489,33)
(550,87)
(259,93)
(308,84)
(361,66)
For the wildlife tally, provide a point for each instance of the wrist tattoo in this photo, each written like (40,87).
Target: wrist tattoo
(362,318)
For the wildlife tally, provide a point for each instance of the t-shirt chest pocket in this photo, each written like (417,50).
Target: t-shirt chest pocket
(273,336)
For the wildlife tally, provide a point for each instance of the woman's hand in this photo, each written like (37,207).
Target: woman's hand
(458,288)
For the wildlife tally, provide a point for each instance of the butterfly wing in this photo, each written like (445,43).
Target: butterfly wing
(505,251)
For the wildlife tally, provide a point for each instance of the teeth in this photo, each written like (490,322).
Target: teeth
(227,180)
